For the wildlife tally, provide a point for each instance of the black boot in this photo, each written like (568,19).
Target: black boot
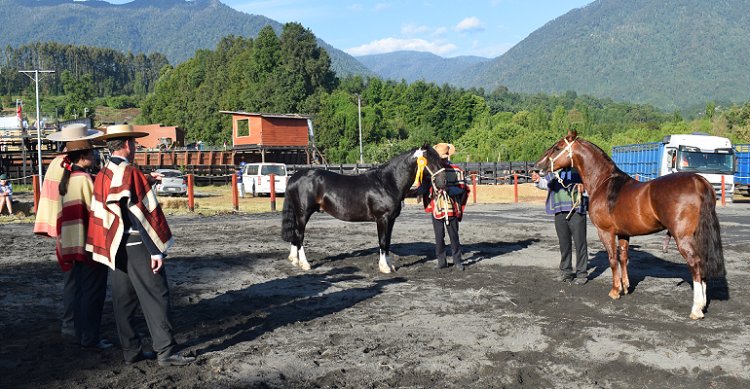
(442,263)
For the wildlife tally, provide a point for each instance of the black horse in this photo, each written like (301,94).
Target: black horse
(374,195)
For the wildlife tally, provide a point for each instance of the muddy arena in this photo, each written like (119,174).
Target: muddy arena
(253,320)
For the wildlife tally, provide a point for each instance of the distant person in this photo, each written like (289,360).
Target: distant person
(446,208)
(240,187)
(570,220)
(6,194)
(129,233)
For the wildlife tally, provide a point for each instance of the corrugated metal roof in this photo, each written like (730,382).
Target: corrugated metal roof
(269,115)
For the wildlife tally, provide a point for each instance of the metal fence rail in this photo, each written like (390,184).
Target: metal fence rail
(488,173)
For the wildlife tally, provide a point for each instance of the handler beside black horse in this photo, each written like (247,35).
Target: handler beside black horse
(374,195)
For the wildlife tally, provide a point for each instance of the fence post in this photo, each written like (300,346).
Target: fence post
(235,194)
(273,192)
(474,186)
(35,185)
(723,193)
(515,187)
(191,196)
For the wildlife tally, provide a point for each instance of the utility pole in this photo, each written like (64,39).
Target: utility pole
(38,121)
(359,116)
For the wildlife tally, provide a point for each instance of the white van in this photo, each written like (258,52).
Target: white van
(256,178)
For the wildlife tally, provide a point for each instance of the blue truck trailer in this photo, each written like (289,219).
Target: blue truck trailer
(712,157)
(742,174)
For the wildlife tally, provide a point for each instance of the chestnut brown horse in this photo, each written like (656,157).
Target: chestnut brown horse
(620,207)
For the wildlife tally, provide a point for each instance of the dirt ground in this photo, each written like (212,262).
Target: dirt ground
(253,320)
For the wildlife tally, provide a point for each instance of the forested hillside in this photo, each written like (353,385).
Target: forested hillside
(414,65)
(82,74)
(288,74)
(674,54)
(175,28)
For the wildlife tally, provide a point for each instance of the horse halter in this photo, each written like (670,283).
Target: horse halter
(421,165)
(568,148)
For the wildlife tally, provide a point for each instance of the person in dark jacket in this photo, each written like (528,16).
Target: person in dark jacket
(568,202)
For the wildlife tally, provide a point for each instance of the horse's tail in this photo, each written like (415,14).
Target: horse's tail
(289,213)
(708,237)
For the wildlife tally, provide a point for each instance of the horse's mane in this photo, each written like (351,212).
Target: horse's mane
(617,178)
(396,161)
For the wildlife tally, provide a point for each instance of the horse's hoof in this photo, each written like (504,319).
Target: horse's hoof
(614,295)
(295,261)
(626,289)
(393,268)
(696,314)
(385,269)
(304,265)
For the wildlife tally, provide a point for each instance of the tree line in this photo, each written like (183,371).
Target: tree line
(84,75)
(290,73)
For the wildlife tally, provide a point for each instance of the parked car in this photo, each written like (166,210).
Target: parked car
(256,178)
(172,183)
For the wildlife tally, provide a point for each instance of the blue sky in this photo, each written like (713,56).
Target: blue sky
(484,28)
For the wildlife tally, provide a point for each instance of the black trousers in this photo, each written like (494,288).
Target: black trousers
(91,290)
(69,298)
(439,226)
(575,230)
(134,284)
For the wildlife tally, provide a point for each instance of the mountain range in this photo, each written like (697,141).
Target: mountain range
(673,54)
(414,65)
(175,28)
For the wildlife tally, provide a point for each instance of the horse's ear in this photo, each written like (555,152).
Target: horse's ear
(425,146)
(572,133)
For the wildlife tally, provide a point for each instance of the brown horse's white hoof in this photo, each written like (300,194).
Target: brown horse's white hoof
(614,294)
(696,316)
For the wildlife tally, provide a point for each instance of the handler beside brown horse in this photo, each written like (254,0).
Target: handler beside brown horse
(621,207)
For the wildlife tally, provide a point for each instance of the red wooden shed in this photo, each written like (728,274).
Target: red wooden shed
(271,137)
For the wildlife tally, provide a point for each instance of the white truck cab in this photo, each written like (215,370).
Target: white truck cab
(710,156)
(256,178)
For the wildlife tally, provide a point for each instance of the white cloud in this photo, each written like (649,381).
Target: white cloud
(381,7)
(413,29)
(439,31)
(388,45)
(470,24)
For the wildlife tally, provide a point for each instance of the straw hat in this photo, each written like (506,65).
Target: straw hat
(74,132)
(444,149)
(78,145)
(122,131)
